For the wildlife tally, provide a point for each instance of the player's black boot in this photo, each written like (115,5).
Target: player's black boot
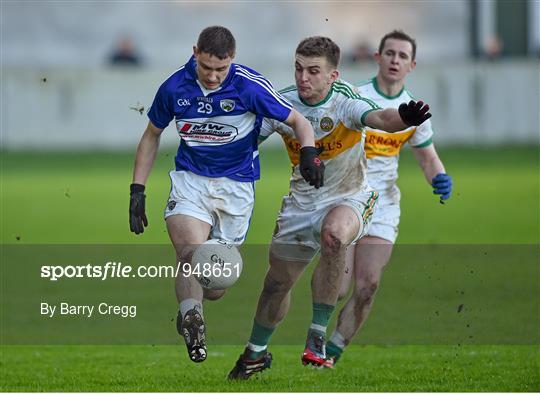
(192,328)
(245,367)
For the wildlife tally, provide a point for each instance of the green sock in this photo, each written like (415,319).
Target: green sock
(258,341)
(321,316)
(333,350)
(336,345)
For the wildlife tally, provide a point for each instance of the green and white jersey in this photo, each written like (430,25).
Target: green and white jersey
(382,148)
(338,123)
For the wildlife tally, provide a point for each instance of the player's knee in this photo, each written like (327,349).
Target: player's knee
(333,239)
(365,291)
(213,295)
(274,286)
(184,255)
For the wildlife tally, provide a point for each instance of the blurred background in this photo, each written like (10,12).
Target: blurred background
(77,78)
(79,74)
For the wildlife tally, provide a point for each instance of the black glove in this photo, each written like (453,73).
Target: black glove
(137,216)
(311,166)
(414,113)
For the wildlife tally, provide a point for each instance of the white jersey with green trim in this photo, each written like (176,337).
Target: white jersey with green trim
(338,125)
(382,148)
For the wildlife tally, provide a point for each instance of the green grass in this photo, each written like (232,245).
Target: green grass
(370,368)
(82,198)
(479,250)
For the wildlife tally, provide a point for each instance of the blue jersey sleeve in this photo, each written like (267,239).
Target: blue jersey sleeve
(161,113)
(260,97)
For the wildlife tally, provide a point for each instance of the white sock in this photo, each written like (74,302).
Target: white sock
(338,340)
(318,327)
(256,348)
(189,304)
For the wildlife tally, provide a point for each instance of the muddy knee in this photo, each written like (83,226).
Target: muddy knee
(332,239)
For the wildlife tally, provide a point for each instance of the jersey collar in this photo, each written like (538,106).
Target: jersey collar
(324,100)
(378,90)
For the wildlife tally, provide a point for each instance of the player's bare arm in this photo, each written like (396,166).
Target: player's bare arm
(301,127)
(392,120)
(146,153)
(434,171)
(429,161)
(144,159)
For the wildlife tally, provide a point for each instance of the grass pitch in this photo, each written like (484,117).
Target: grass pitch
(83,198)
(363,368)
(490,345)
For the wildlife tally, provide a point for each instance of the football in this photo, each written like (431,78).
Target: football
(216,264)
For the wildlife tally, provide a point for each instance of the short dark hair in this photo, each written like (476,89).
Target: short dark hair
(217,41)
(399,35)
(320,46)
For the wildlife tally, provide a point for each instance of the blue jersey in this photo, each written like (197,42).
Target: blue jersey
(218,129)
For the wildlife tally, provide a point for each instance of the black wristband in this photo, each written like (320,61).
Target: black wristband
(309,150)
(136,188)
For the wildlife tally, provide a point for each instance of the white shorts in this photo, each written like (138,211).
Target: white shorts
(225,204)
(385,220)
(297,236)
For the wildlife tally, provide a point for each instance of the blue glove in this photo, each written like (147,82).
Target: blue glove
(442,184)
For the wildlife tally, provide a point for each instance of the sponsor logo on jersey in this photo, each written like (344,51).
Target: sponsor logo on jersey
(379,143)
(326,124)
(384,141)
(207,132)
(171,204)
(227,105)
(333,144)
